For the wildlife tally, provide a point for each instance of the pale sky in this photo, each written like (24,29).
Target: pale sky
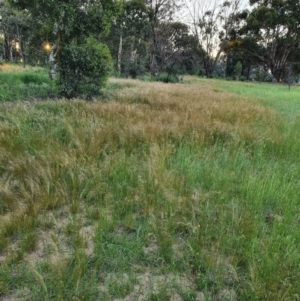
(184,14)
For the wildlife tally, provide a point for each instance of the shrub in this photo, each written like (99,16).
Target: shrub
(84,69)
(167,78)
(238,70)
(145,77)
(242,78)
(200,72)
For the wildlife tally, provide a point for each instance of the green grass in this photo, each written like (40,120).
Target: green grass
(18,84)
(191,192)
(277,96)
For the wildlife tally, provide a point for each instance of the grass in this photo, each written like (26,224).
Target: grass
(278,96)
(19,84)
(164,192)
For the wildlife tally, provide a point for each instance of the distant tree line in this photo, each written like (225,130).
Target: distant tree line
(155,38)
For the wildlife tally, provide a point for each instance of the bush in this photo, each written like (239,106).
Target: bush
(167,78)
(238,69)
(145,77)
(84,69)
(200,72)
(269,78)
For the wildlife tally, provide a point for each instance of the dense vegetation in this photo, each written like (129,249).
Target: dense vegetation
(258,40)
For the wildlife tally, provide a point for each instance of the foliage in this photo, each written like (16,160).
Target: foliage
(84,69)
(161,13)
(127,39)
(15,30)
(71,23)
(145,36)
(272,25)
(174,47)
(238,69)
(213,25)
(166,78)
(87,18)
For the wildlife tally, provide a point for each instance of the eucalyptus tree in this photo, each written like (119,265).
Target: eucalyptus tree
(161,12)
(82,62)
(134,24)
(173,45)
(128,36)
(8,32)
(275,27)
(212,23)
(145,37)
(14,26)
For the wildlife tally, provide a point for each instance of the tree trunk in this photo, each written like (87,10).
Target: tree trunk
(21,45)
(206,65)
(153,52)
(57,57)
(7,46)
(248,70)
(120,52)
(277,74)
(11,53)
(227,65)
(152,64)
(58,46)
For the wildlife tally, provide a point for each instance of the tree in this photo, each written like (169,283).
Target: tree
(72,22)
(235,51)
(190,59)
(145,37)
(212,23)
(172,45)
(14,26)
(128,36)
(294,60)
(274,26)
(161,12)
(7,30)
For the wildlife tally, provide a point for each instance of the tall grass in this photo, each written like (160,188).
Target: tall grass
(165,192)
(19,84)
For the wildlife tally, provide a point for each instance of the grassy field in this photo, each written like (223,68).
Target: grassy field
(280,97)
(19,84)
(178,192)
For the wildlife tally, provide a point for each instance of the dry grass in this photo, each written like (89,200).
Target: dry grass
(8,67)
(194,111)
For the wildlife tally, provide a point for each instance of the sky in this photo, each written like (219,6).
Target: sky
(184,14)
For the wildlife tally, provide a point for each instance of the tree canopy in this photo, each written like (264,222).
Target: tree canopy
(275,27)
(152,36)
(71,23)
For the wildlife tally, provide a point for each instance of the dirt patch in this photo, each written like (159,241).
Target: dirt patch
(18,295)
(148,283)
(52,243)
(87,234)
